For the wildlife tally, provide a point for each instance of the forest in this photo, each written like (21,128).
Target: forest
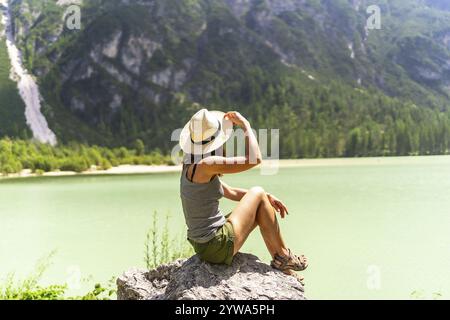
(292,74)
(16,155)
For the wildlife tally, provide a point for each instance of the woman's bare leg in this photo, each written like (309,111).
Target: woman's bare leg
(255,210)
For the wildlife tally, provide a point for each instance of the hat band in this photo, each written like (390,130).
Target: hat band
(210,139)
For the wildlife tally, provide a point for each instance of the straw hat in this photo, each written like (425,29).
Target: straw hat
(206,132)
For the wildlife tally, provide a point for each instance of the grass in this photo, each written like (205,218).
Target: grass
(30,289)
(160,248)
(422,295)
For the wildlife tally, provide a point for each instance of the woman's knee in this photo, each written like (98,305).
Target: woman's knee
(258,191)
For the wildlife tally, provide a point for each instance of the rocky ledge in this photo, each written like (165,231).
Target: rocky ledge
(247,279)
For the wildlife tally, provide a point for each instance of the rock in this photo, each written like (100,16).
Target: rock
(116,103)
(111,48)
(137,51)
(192,279)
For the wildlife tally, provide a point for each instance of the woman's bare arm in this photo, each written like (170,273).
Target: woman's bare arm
(223,165)
(234,194)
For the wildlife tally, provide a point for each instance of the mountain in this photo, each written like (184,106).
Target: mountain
(12,109)
(139,69)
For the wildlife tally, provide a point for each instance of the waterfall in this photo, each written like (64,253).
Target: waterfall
(28,89)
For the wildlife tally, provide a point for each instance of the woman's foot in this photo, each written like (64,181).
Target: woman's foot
(289,262)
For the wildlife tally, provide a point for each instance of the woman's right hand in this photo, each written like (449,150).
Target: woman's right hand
(237,119)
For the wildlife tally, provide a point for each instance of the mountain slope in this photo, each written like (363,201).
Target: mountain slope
(12,118)
(310,67)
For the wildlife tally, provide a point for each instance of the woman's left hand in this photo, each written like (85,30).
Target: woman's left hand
(278,205)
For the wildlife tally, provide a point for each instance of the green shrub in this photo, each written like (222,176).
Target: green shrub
(7,169)
(43,163)
(105,164)
(29,288)
(122,153)
(139,146)
(160,248)
(422,295)
(10,166)
(16,155)
(99,292)
(76,164)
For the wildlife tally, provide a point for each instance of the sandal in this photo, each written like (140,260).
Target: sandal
(291,262)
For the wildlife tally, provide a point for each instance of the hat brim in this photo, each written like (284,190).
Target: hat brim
(224,135)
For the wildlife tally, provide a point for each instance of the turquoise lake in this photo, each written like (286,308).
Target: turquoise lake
(372,228)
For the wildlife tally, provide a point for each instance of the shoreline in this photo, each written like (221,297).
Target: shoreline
(267,165)
(119,170)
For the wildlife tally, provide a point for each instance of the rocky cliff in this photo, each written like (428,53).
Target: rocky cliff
(140,69)
(247,279)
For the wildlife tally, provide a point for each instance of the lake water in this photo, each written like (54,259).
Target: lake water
(372,228)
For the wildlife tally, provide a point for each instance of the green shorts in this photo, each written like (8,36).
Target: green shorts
(218,250)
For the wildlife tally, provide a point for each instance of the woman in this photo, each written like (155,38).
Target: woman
(216,238)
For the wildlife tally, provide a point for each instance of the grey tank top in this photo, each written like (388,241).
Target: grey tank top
(201,207)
